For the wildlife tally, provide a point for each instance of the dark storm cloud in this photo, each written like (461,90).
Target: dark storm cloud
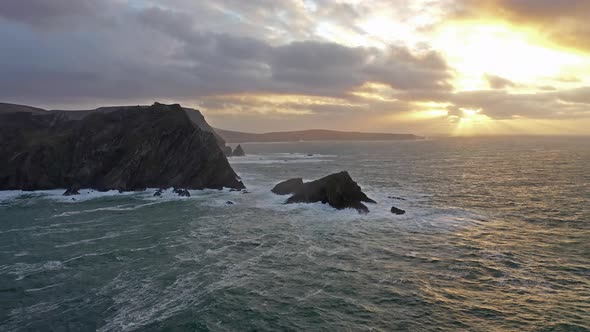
(310,67)
(402,70)
(113,51)
(160,53)
(45,14)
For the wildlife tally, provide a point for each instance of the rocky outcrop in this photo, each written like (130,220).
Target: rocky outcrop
(227,151)
(238,151)
(123,148)
(72,191)
(397,211)
(338,190)
(395,197)
(182,192)
(290,186)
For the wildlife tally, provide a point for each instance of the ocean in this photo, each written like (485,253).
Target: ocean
(496,238)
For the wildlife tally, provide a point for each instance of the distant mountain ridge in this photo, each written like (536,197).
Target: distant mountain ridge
(310,135)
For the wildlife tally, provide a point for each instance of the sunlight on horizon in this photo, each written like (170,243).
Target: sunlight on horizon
(476,49)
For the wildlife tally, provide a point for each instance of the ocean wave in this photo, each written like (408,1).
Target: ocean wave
(21,270)
(109,235)
(125,207)
(281,158)
(57,195)
(31,290)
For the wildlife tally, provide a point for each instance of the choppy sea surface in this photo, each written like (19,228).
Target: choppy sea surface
(496,238)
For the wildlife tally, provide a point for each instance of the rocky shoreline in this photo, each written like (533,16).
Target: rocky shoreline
(131,148)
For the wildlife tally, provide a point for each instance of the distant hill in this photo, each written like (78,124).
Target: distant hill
(310,135)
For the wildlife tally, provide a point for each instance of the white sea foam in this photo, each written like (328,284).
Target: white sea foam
(125,207)
(109,235)
(57,195)
(21,270)
(281,158)
(43,288)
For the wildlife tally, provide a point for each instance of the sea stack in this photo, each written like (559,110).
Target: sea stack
(290,186)
(338,190)
(227,151)
(238,151)
(123,148)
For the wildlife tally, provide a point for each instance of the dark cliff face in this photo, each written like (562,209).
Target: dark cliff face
(124,148)
(198,119)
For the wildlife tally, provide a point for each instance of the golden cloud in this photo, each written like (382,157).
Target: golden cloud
(564,23)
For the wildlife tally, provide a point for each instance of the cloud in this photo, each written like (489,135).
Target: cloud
(578,95)
(497,82)
(225,54)
(157,53)
(564,22)
(44,14)
(504,104)
(548,105)
(403,70)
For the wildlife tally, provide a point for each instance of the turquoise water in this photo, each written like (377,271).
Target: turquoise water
(497,237)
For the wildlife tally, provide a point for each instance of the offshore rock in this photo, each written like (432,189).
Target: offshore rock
(182,192)
(288,187)
(227,151)
(238,151)
(122,148)
(397,211)
(338,190)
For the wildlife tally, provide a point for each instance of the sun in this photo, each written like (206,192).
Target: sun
(470,122)
(475,49)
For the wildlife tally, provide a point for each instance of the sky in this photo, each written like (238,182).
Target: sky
(446,67)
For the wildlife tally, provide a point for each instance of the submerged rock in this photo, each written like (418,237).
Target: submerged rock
(395,197)
(238,151)
(288,187)
(397,211)
(122,148)
(229,203)
(338,190)
(71,191)
(159,192)
(182,192)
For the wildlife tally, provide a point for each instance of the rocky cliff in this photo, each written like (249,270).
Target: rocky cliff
(338,189)
(125,148)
